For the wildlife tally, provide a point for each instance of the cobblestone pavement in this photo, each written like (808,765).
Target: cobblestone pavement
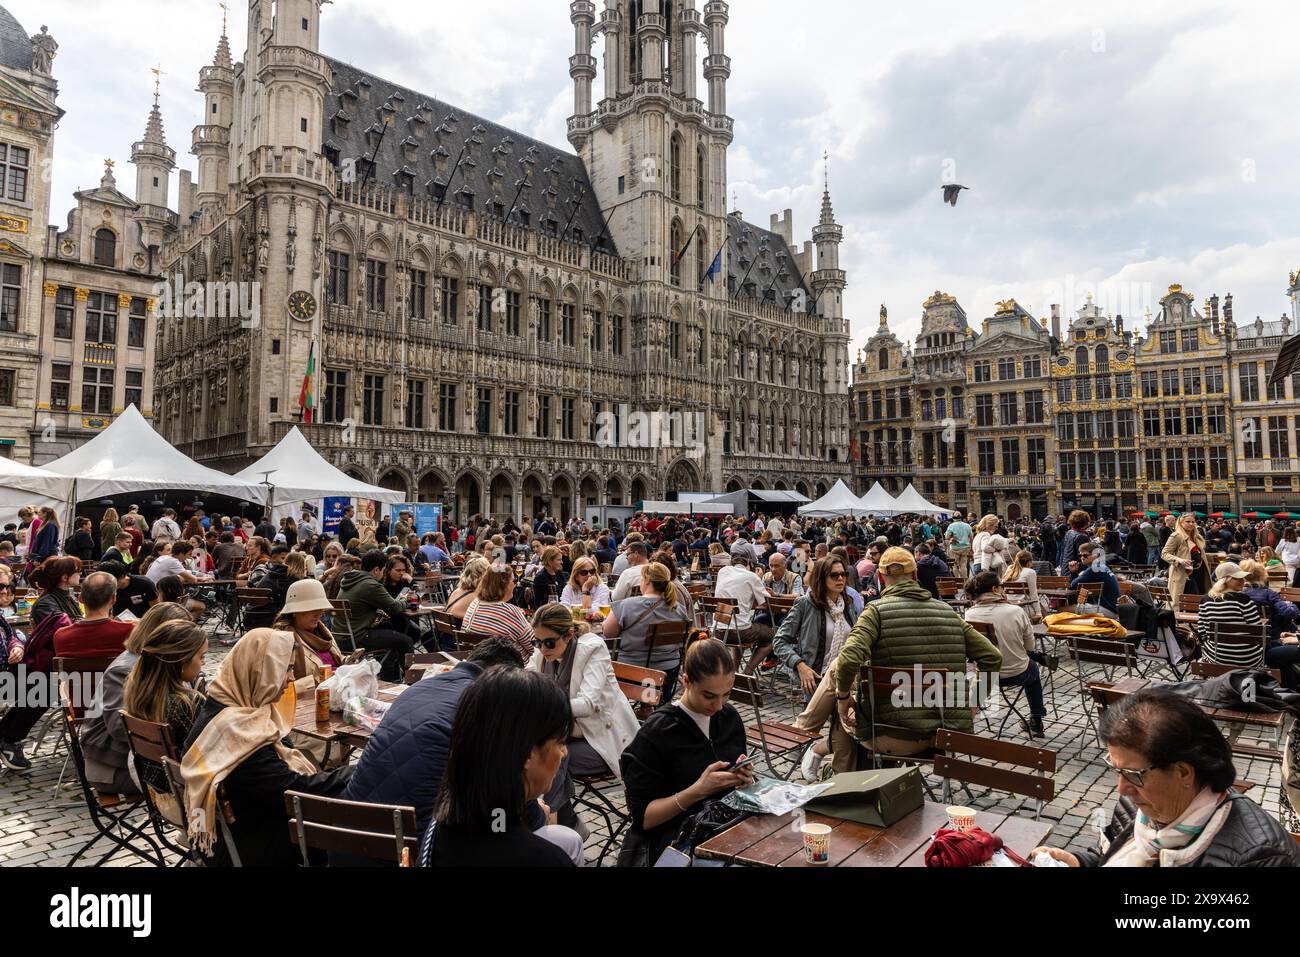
(44,824)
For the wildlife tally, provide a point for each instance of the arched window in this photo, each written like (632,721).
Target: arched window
(1081,359)
(105,247)
(675,168)
(701,169)
(884,359)
(675,244)
(701,251)
(1103,359)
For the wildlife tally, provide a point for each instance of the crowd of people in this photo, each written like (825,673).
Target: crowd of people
(851,592)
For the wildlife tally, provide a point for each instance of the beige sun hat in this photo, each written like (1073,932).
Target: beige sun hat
(305,595)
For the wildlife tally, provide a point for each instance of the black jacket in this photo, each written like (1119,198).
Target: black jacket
(255,790)
(1249,838)
(544,583)
(275,578)
(668,755)
(347,531)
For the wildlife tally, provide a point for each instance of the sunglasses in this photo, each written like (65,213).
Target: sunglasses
(1134,776)
(548,643)
(837,575)
(582,572)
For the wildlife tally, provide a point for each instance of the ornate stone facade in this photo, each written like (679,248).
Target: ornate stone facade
(882,398)
(1012,460)
(496,318)
(28,116)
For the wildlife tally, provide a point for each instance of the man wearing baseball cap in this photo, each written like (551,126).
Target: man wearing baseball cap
(907,626)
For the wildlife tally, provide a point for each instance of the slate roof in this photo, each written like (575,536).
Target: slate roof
(490,170)
(15,44)
(747,242)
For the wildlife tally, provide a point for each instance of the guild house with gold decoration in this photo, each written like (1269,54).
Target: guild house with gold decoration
(1093,416)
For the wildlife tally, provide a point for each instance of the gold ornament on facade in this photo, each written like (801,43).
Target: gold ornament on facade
(1006,307)
(82,294)
(937,298)
(123,301)
(51,289)
(13,224)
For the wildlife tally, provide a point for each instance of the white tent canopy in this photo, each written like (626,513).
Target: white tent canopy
(299,473)
(840,500)
(129,456)
(910,501)
(27,485)
(879,502)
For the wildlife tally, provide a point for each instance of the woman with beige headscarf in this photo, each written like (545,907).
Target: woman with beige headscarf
(1185,553)
(236,746)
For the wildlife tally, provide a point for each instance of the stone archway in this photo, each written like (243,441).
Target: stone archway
(501,497)
(683,477)
(1013,511)
(433,488)
(394,481)
(820,490)
(561,498)
(802,488)
(588,495)
(469,497)
(614,491)
(534,496)
(639,490)
(734,485)
(779,486)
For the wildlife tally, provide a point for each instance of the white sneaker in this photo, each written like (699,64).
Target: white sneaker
(811,765)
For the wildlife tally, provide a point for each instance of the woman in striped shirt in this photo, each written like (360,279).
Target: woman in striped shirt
(490,613)
(1228,604)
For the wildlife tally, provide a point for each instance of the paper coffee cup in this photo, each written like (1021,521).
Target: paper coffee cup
(961,818)
(816,843)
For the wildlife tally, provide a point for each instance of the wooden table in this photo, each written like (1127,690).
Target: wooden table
(336,730)
(768,840)
(1061,593)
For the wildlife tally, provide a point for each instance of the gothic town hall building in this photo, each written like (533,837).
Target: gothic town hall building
(495,323)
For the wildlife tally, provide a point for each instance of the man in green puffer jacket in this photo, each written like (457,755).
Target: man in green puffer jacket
(368,597)
(907,626)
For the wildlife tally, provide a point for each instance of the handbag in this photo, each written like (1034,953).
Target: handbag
(709,821)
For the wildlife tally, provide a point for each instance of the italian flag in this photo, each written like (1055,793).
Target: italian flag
(306,401)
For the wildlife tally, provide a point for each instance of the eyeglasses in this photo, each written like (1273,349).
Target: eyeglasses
(837,575)
(1134,776)
(548,643)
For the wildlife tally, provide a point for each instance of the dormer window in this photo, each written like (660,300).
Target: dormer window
(465,199)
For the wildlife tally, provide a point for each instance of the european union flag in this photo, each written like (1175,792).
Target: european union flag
(716,268)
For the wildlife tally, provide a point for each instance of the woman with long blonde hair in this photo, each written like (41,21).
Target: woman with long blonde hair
(470,575)
(1185,553)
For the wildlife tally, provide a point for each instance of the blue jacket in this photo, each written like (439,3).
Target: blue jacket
(46,542)
(1109,586)
(1282,613)
(405,758)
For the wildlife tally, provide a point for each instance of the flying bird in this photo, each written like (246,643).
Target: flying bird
(950,193)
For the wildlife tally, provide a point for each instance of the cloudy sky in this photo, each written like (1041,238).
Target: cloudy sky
(1111,147)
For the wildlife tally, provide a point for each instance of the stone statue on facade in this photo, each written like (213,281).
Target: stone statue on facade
(44,50)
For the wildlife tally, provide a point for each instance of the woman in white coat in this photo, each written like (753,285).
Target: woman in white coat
(603,721)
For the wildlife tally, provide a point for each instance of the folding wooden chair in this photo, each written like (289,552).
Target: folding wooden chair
(1111,654)
(1010,696)
(665,634)
(1040,785)
(775,740)
(380,832)
(466,640)
(108,812)
(150,741)
(1239,641)
(878,680)
(246,598)
(341,624)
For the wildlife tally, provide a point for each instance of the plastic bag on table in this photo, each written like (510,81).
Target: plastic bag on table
(365,712)
(773,796)
(360,680)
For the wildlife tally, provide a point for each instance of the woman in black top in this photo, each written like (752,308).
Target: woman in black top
(548,584)
(496,769)
(674,764)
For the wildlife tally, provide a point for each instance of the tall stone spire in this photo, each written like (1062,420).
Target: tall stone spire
(222,58)
(153,158)
(828,211)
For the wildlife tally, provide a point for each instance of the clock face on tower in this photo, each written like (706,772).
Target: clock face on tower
(302,305)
